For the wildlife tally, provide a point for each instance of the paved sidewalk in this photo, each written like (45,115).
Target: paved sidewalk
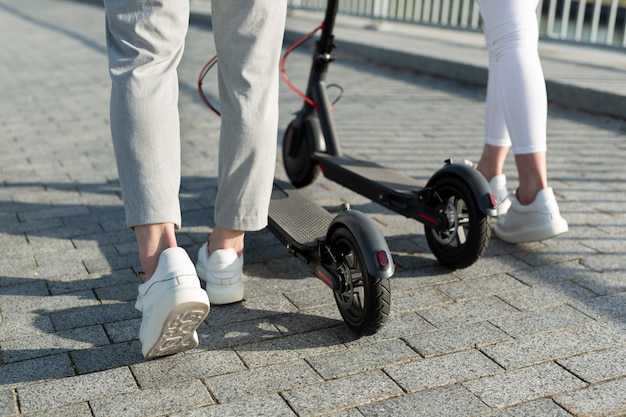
(528,330)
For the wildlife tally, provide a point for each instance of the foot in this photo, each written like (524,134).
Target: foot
(173,305)
(539,220)
(222,271)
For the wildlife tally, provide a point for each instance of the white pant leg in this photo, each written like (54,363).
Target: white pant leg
(145,41)
(516,108)
(248,37)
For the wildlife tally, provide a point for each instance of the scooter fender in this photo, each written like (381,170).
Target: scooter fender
(373,245)
(474,180)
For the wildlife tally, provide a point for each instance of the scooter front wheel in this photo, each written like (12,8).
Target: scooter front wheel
(363,300)
(298,147)
(465,239)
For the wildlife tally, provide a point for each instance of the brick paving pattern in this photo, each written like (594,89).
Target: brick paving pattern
(529,330)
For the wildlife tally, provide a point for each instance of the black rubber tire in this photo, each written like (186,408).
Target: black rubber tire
(363,300)
(466,240)
(301,169)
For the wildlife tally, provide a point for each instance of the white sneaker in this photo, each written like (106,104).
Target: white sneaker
(498,188)
(173,306)
(539,220)
(222,273)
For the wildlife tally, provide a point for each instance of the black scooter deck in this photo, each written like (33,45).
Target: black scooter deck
(344,169)
(294,216)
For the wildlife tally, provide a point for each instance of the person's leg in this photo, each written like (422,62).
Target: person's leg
(248,38)
(518,86)
(511,32)
(533,176)
(145,42)
(144,117)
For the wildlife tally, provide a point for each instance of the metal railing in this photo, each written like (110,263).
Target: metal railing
(585,21)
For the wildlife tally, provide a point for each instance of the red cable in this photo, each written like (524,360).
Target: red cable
(283,73)
(204,71)
(284,58)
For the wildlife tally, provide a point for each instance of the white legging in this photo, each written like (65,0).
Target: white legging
(516,108)
(145,41)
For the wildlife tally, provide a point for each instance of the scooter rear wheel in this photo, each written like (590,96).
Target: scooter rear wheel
(298,147)
(466,238)
(363,300)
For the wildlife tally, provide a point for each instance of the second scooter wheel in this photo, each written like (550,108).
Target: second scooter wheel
(363,300)
(468,232)
(298,147)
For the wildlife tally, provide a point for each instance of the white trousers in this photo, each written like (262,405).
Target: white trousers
(516,107)
(145,41)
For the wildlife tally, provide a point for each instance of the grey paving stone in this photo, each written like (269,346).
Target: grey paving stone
(316,318)
(397,326)
(492,265)
(597,366)
(523,385)
(481,287)
(65,285)
(250,310)
(235,334)
(451,340)
(536,349)
(602,335)
(74,410)
(550,274)
(19,292)
(21,373)
(94,314)
(546,295)
(552,318)
(466,312)
(417,299)
(555,253)
(184,367)
(106,357)
(25,326)
(348,413)
(361,358)
(306,298)
(286,349)
(51,343)
(603,399)
(8,406)
(604,307)
(49,304)
(258,381)
(76,389)
(123,331)
(268,406)
(543,408)
(439,402)
(605,262)
(605,283)
(442,370)
(347,392)
(153,401)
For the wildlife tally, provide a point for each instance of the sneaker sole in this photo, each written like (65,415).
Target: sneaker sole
(178,331)
(533,234)
(225,294)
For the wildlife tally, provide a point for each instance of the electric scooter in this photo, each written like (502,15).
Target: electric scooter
(453,206)
(346,251)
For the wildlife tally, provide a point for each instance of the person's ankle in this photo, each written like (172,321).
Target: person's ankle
(526,196)
(222,238)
